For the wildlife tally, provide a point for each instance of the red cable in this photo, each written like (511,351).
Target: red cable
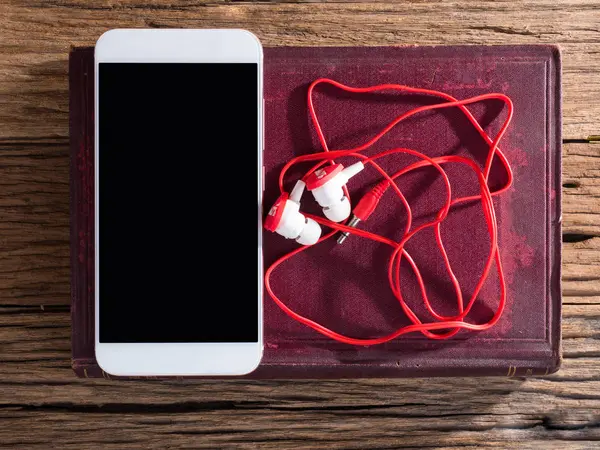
(449,324)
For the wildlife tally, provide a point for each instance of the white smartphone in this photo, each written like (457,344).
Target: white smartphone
(178,163)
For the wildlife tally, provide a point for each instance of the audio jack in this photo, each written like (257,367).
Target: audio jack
(344,234)
(365,207)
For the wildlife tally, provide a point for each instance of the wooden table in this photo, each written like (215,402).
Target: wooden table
(43,404)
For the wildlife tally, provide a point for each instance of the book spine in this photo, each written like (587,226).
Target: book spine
(515,371)
(89,368)
(81,119)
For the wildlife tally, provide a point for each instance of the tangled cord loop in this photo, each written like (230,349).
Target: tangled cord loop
(447,325)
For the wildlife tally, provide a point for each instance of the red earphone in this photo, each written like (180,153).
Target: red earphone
(328,186)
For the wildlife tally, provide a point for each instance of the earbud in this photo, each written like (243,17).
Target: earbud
(327,184)
(285,218)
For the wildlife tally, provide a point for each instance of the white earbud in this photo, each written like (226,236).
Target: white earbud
(327,184)
(285,218)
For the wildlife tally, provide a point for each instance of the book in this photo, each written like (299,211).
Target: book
(345,286)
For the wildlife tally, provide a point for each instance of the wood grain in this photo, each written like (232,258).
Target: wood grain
(45,399)
(34,222)
(36,36)
(581,189)
(39,394)
(43,405)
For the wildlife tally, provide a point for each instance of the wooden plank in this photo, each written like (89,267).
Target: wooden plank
(36,38)
(34,223)
(581,273)
(250,428)
(581,189)
(46,399)
(288,429)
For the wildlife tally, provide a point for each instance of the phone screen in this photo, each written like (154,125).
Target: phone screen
(178,229)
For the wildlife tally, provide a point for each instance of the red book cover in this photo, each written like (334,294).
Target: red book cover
(345,286)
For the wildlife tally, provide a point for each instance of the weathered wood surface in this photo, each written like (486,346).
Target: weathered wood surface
(36,36)
(42,404)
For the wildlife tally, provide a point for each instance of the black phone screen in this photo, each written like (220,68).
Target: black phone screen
(178,174)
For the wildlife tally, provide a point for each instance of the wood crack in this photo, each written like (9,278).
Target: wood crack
(505,30)
(576,237)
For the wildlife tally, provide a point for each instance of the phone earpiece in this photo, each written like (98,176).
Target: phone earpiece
(327,185)
(285,218)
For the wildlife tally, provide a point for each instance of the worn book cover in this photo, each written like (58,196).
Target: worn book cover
(345,286)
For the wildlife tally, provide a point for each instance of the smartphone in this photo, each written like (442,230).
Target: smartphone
(178,189)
